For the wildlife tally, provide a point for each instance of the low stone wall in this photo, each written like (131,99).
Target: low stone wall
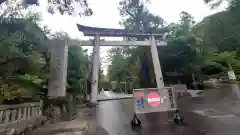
(180,89)
(15,119)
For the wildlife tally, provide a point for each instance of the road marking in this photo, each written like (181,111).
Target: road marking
(228,115)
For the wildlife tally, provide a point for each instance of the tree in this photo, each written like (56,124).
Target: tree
(136,17)
(22,58)
(193,50)
(181,55)
(182,43)
(60,6)
(219,33)
(116,70)
(233,5)
(77,67)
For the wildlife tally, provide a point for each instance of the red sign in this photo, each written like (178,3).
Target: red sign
(154,99)
(139,94)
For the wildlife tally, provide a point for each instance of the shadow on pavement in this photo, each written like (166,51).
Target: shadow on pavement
(216,113)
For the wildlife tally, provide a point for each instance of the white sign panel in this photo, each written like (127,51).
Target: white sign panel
(231,75)
(149,100)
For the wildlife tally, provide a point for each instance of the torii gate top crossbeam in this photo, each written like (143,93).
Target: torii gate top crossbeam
(106,32)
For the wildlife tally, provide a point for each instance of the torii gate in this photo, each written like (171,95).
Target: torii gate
(106,32)
(59,55)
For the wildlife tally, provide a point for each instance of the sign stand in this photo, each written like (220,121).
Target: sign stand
(135,121)
(149,100)
(177,118)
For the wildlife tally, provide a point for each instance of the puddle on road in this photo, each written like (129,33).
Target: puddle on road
(168,129)
(209,112)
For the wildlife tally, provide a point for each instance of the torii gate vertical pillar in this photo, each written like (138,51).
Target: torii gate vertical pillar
(156,63)
(95,71)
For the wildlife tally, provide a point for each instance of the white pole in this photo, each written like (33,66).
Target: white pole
(156,64)
(125,87)
(96,62)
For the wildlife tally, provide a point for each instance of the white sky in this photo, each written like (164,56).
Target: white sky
(106,14)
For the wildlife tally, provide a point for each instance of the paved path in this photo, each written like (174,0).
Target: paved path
(113,118)
(109,95)
(115,115)
(74,127)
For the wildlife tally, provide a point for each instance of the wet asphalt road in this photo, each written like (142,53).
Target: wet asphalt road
(114,116)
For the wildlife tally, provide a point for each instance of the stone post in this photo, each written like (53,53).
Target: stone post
(58,68)
(1,116)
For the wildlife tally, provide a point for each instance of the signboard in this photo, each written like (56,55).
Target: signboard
(149,100)
(139,98)
(154,99)
(231,75)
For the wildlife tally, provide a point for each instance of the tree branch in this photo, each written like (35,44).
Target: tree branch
(2,1)
(132,15)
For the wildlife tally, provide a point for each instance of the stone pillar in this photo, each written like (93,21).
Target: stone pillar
(95,69)
(58,68)
(156,63)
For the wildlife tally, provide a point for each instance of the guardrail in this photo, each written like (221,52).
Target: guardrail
(19,117)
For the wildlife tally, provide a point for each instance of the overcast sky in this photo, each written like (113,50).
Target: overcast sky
(106,14)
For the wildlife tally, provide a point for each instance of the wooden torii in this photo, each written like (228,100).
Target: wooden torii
(152,39)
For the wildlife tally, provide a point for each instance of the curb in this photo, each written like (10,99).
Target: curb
(115,99)
(101,100)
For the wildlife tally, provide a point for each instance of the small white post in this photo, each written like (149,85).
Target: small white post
(95,71)
(1,116)
(156,63)
(19,117)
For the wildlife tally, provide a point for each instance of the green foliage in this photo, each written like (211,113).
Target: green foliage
(210,47)
(117,65)
(24,57)
(220,33)
(77,66)
(182,44)
(136,17)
